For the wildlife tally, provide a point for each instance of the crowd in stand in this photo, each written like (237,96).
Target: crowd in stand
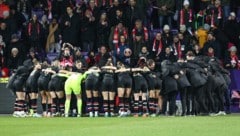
(126,31)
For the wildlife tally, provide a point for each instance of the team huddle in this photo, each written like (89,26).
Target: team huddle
(148,89)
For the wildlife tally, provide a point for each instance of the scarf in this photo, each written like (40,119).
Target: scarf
(49,2)
(116,38)
(177,50)
(219,12)
(182,16)
(30,28)
(51,37)
(160,46)
(145,32)
(212,19)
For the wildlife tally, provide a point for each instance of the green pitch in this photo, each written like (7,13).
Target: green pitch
(159,126)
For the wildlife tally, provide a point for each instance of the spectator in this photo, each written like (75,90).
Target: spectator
(197,50)
(102,56)
(186,16)
(5,33)
(14,60)
(66,58)
(118,17)
(52,43)
(226,9)
(158,47)
(17,17)
(140,37)
(114,37)
(144,53)
(33,55)
(45,31)
(120,48)
(178,49)
(17,43)
(201,35)
(78,56)
(103,30)
(232,29)
(34,31)
(115,13)
(185,35)
(168,55)
(212,47)
(232,61)
(88,31)
(167,35)
(133,13)
(91,60)
(165,11)
(70,27)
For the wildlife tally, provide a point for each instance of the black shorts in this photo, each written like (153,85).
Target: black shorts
(43,83)
(124,82)
(140,84)
(108,84)
(18,84)
(57,83)
(32,85)
(158,84)
(91,84)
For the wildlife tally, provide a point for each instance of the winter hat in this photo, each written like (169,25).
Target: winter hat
(206,27)
(166,27)
(233,48)
(183,28)
(233,14)
(186,2)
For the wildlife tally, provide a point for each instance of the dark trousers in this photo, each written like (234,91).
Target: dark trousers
(183,95)
(171,97)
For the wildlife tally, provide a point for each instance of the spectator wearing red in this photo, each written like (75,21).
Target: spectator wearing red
(66,58)
(232,60)
(34,31)
(114,38)
(158,47)
(140,37)
(186,15)
(177,48)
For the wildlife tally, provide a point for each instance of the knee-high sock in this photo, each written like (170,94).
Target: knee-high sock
(95,103)
(34,105)
(151,105)
(145,109)
(44,107)
(111,105)
(136,106)
(126,104)
(67,106)
(105,105)
(61,105)
(89,104)
(54,105)
(79,106)
(121,104)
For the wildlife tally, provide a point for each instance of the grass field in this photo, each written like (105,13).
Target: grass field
(130,126)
